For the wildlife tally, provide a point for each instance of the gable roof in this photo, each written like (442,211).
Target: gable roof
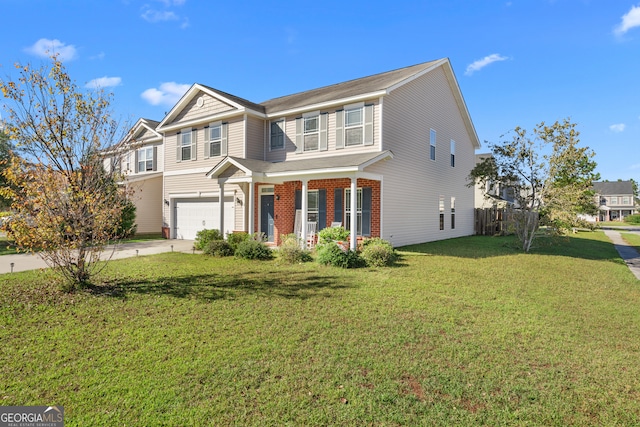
(614,187)
(381,82)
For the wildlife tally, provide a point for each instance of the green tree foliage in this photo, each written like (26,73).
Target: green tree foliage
(550,176)
(6,149)
(66,205)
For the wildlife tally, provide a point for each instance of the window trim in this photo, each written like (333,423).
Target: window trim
(453,153)
(347,209)
(347,127)
(432,144)
(182,145)
(314,115)
(146,150)
(211,142)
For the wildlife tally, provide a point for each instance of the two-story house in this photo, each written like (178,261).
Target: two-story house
(139,159)
(615,199)
(386,155)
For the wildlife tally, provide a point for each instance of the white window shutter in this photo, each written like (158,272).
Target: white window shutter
(207,142)
(299,138)
(223,135)
(155,158)
(339,129)
(368,124)
(179,148)
(193,144)
(324,118)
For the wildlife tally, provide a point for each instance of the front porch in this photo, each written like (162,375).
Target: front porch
(315,190)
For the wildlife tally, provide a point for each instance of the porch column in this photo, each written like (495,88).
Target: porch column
(251,209)
(221,206)
(303,213)
(353,212)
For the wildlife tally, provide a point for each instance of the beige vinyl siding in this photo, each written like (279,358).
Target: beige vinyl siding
(255,138)
(289,153)
(146,134)
(412,182)
(147,197)
(235,143)
(210,107)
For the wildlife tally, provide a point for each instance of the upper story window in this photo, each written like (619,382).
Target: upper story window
(186,145)
(353,127)
(214,141)
(215,144)
(311,132)
(276,140)
(614,200)
(126,163)
(626,200)
(145,159)
(453,153)
(432,144)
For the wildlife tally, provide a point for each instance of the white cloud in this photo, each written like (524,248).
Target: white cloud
(103,82)
(481,63)
(168,94)
(44,48)
(618,127)
(630,20)
(153,16)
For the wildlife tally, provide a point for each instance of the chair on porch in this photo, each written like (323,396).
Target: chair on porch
(311,233)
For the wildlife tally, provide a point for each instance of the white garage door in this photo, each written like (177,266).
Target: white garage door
(193,215)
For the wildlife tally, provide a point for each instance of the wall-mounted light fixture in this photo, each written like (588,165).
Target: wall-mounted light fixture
(166,202)
(277,197)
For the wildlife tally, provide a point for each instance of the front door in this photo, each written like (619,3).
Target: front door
(266,216)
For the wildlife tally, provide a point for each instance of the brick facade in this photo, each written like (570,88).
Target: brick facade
(284,203)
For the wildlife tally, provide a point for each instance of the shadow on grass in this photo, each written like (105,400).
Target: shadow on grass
(216,286)
(588,246)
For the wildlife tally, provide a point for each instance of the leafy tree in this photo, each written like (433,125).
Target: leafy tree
(550,177)
(67,205)
(6,148)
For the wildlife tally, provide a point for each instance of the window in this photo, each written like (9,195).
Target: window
(347,210)
(353,126)
(126,163)
(145,159)
(276,142)
(453,153)
(313,205)
(432,145)
(215,140)
(441,209)
(614,200)
(311,134)
(186,148)
(453,213)
(626,200)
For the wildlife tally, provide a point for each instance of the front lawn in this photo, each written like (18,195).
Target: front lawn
(461,332)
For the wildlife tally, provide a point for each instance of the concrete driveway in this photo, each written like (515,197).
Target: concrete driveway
(24,262)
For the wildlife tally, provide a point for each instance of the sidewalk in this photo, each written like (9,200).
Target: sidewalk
(24,262)
(628,253)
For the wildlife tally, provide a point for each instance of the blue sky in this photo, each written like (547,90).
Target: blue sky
(517,62)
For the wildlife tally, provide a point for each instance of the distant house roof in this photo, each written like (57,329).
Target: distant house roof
(614,187)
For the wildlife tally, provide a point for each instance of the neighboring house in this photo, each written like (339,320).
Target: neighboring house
(615,200)
(140,159)
(493,194)
(386,155)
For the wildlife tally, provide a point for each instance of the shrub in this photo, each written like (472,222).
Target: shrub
(291,251)
(254,248)
(127,226)
(332,234)
(378,252)
(338,255)
(218,248)
(203,237)
(237,237)
(632,219)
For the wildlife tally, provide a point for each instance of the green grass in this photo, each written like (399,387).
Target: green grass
(6,246)
(633,239)
(461,332)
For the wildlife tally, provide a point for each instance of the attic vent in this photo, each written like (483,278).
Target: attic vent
(200,102)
